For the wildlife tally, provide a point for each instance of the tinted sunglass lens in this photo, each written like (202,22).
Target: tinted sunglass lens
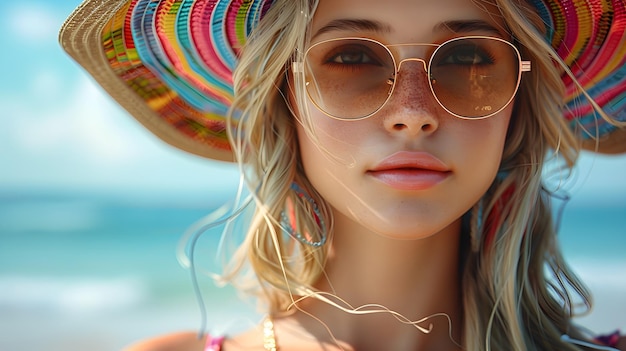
(348,78)
(474,77)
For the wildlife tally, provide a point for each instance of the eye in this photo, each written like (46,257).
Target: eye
(352,55)
(465,54)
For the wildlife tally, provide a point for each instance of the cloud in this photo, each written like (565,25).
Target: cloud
(33,23)
(63,131)
(82,122)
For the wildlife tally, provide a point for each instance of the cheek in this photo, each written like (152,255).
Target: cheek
(485,144)
(317,144)
(330,140)
(499,131)
(331,156)
(320,160)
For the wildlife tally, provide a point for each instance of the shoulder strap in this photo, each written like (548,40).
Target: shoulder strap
(214,343)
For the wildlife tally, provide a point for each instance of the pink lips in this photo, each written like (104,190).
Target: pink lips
(406,170)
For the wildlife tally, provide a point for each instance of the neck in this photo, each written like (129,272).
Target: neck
(415,278)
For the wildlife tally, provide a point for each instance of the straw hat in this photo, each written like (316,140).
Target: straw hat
(169,62)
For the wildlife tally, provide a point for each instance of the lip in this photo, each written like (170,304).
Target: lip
(407,170)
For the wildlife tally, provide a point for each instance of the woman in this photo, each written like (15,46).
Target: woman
(394,152)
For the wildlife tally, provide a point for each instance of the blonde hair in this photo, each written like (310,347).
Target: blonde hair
(511,301)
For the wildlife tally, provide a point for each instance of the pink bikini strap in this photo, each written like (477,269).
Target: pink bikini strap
(213,343)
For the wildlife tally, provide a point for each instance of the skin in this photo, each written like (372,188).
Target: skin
(395,247)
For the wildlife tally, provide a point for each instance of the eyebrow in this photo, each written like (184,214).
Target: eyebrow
(465,26)
(455,26)
(350,24)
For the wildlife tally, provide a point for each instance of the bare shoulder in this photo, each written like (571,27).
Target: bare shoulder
(186,341)
(251,340)
(189,341)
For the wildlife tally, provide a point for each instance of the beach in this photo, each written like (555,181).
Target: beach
(83,272)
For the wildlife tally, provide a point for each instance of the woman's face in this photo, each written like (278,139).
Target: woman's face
(411,169)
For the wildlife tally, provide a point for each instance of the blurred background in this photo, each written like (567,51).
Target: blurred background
(92,208)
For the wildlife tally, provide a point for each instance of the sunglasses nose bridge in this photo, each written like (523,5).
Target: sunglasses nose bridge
(416,59)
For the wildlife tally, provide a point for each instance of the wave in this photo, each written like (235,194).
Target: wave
(70,295)
(48,216)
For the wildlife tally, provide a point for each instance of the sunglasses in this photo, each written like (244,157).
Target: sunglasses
(471,77)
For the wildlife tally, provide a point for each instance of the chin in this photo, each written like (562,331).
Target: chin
(412,233)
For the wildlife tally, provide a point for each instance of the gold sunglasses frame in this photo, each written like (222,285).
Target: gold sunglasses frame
(524,66)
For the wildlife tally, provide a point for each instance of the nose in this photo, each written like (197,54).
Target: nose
(412,108)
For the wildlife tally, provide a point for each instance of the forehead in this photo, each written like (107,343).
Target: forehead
(405,20)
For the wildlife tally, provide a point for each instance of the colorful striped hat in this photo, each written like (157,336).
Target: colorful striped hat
(170,62)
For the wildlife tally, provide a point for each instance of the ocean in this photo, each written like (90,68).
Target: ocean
(84,272)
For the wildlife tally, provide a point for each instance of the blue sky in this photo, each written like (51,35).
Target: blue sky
(60,132)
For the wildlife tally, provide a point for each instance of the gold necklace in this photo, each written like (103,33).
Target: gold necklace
(269,339)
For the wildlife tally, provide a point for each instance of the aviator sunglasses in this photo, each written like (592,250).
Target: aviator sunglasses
(471,77)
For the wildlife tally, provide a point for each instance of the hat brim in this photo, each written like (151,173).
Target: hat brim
(82,38)
(169,63)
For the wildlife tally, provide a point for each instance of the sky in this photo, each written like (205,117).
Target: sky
(61,133)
